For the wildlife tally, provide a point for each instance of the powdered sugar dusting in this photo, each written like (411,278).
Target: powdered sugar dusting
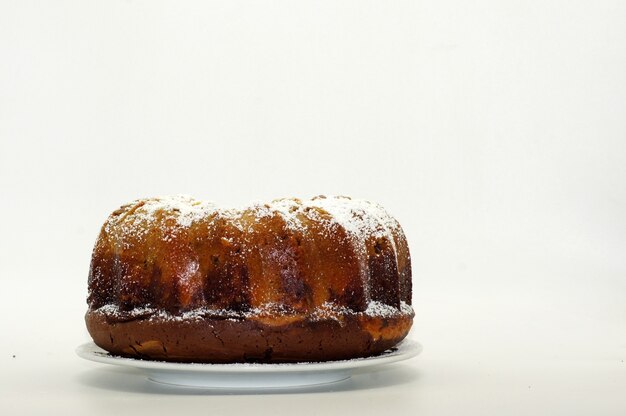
(183,208)
(360,218)
(375,308)
(287,209)
(327,311)
(139,217)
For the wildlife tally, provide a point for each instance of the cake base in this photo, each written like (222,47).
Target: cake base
(248,340)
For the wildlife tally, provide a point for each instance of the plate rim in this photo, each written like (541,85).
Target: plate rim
(405,350)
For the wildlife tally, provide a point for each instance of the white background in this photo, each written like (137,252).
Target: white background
(495,131)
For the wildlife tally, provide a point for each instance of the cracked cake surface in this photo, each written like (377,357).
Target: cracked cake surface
(177,279)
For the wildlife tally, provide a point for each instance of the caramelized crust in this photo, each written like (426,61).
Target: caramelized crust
(182,280)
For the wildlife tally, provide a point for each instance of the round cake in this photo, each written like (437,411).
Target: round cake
(176,279)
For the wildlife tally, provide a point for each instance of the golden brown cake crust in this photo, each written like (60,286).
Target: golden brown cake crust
(182,280)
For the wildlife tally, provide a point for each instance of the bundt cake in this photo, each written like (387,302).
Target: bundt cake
(176,279)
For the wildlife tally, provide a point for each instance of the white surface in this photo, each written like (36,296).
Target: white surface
(252,376)
(493,130)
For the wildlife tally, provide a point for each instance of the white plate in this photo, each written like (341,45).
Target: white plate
(252,376)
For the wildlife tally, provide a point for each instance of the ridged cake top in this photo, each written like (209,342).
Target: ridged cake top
(176,255)
(358,217)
